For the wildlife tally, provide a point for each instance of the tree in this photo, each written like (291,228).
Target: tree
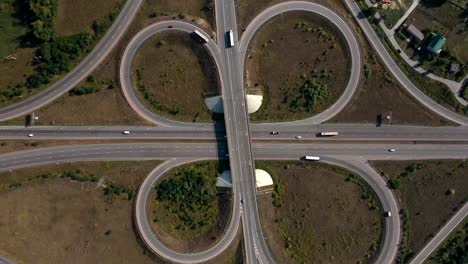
(394,183)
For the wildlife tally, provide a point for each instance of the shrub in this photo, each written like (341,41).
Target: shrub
(394,183)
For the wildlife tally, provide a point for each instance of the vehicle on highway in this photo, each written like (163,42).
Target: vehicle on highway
(328,134)
(199,37)
(170,26)
(297,137)
(392,150)
(30,135)
(274,132)
(388,214)
(242,201)
(313,158)
(126,132)
(230,39)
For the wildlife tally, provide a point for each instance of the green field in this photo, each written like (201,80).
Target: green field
(11,28)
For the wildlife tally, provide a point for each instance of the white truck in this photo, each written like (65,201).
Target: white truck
(328,133)
(230,36)
(313,158)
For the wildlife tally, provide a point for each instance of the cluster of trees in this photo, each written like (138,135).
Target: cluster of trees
(191,196)
(56,56)
(43,13)
(311,94)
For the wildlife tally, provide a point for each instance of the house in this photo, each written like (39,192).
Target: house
(414,32)
(387,2)
(436,43)
(454,67)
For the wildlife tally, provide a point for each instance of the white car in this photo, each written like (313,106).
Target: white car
(391,150)
(298,137)
(126,132)
(30,135)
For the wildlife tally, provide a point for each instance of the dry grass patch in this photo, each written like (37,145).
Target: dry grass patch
(75,16)
(429,192)
(313,48)
(55,220)
(378,94)
(325,215)
(173,74)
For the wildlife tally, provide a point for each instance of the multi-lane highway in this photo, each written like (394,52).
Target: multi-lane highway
(347,132)
(374,142)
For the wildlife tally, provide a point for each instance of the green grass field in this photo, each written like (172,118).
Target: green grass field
(11,28)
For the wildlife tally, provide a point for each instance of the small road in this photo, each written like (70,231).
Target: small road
(396,71)
(94,58)
(441,235)
(150,239)
(125,72)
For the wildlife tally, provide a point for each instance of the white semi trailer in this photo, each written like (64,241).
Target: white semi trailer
(328,134)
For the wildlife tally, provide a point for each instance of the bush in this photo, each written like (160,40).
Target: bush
(312,92)
(99,27)
(36,80)
(394,183)
(113,190)
(465,93)
(82,90)
(79,176)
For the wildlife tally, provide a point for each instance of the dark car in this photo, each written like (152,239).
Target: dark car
(274,132)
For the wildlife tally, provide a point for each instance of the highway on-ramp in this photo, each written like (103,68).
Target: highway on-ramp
(354,53)
(94,58)
(125,72)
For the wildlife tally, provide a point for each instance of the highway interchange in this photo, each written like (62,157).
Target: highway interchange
(241,141)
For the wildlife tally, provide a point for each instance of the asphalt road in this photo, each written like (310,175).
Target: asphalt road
(94,58)
(343,28)
(230,63)
(259,132)
(125,72)
(150,239)
(395,70)
(238,134)
(443,233)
